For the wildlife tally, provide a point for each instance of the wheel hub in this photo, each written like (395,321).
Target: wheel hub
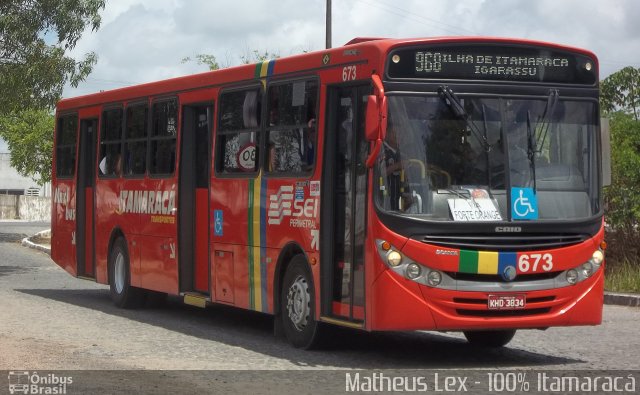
(298,303)
(119,274)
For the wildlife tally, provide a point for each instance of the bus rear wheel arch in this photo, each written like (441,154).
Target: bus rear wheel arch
(122,293)
(490,339)
(297,305)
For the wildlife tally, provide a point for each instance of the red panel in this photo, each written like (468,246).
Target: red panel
(224,276)
(158,269)
(201,240)
(63,247)
(135,246)
(88,250)
(106,219)
(240,275)
(342,309)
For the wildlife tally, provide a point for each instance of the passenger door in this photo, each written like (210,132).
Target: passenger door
(85,232)
(344,206)
(193,199)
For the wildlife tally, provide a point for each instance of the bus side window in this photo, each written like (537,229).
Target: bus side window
(163,138)
(66,146)
(135,148)
(111,143)
(238,131)
(292,127)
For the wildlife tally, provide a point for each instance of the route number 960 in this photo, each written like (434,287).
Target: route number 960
(533,262)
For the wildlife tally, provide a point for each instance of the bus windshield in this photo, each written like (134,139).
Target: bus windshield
(489,159)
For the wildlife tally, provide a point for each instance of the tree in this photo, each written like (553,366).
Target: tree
(207,59)
(620,101)
(29,134)
(621,91)
(249,57)
(623,196)
(257,56)
(35,36)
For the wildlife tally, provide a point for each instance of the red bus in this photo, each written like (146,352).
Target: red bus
(449,184)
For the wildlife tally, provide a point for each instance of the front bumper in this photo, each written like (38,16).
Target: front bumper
(402,304)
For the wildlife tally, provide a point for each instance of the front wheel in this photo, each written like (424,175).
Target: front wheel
(492,339)
(297,305)
(122,293)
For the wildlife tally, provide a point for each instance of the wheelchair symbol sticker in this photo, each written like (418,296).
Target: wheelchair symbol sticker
(217,222)
(524,204)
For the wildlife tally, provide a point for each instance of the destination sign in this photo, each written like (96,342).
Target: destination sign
(493,63)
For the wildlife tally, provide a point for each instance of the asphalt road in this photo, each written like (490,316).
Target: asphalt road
(52,321)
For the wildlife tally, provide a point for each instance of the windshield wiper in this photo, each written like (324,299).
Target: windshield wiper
(458,193)
(544,121)
(447,95)
(531,150)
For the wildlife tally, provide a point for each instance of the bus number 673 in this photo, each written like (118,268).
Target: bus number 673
(530,262)
(349,73)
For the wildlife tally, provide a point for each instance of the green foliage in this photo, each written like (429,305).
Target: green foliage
(623,276)
(623,196)
(621,91)
(206,59)
(249,57)
(34,37)
(29,134)
(257,56)
(620,101)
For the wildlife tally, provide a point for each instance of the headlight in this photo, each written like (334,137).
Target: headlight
(597,257)
(572,276)
(394,258)
(410,269)
(413,271)
(587,269)
(434,278)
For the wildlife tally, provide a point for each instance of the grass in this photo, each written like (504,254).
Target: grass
(623,276)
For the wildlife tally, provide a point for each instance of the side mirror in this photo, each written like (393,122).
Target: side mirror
(383,108)
(376,118)
(372,119)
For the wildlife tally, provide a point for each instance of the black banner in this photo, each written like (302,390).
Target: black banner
(493,63)
(299,382)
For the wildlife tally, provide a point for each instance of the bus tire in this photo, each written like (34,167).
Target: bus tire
(122,293)
(297,309)
(490,339)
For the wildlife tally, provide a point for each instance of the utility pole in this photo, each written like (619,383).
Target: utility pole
(328,24)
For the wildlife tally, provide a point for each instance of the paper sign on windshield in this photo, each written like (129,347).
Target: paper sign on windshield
(474,210)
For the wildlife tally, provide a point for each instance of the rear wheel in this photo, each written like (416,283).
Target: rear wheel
(491,339)
(122,293)
(297,305)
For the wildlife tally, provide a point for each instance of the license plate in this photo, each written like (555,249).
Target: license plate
(506,302)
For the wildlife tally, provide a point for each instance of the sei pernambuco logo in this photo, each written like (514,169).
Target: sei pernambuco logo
(21,382)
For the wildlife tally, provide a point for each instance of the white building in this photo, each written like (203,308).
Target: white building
(12,183)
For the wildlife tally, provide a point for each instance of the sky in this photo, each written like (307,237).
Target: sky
(146,40)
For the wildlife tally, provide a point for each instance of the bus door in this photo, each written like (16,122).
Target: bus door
(344,206)
(193,198)
(85,232)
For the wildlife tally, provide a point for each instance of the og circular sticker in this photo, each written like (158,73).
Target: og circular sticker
(247,157)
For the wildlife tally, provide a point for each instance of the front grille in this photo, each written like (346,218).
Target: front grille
(494,278)
(520,242)
(503,313)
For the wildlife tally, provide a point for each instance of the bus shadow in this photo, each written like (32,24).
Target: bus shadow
(346,348)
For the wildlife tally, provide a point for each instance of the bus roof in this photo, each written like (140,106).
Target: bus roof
(308,61)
